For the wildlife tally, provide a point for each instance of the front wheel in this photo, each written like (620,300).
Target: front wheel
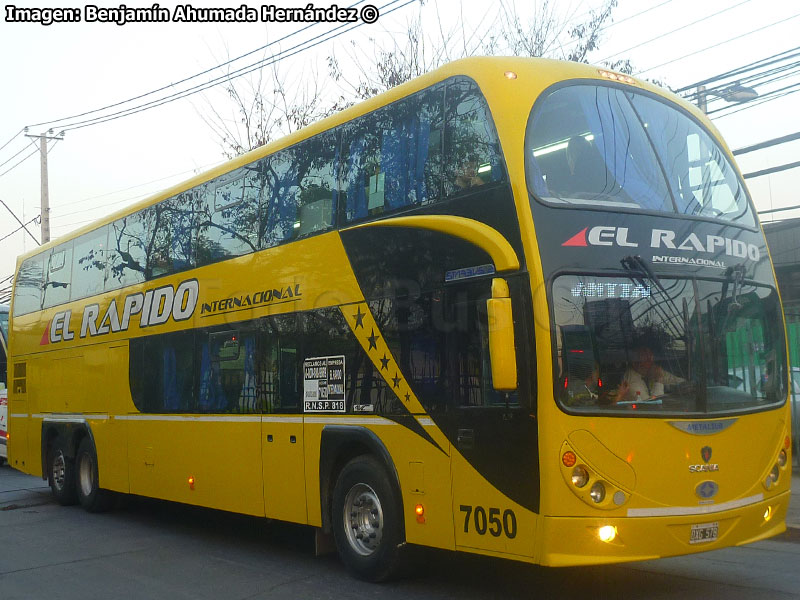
(61,474)
(91,497)
(367,520)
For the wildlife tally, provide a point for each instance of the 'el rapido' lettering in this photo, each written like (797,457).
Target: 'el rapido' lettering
(153,307)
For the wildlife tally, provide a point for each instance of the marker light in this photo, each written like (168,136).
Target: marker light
(616,76)
(607,533)
(569,459)
(419,510)
(787,442)
(191,482)
(580,477)
(768,514)
(510,75)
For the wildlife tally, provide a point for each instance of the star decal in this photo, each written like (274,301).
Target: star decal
(408,397)
(385,362)
(396,380)
(359,317)
(372,339)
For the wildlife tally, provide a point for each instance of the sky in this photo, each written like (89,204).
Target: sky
(52,72)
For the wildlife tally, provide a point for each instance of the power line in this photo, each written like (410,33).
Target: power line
(15,136)
(20,222)
(773,142)
(733,72)
(238,73)
(669,62)
(185,79)
(18,153)
(21,227)
(763,100)
(20,162)
(681,28)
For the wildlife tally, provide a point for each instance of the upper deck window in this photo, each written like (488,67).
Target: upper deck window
(607,146)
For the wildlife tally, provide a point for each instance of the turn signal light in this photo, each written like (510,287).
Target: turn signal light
(191,482)
(569,459)
(419,510)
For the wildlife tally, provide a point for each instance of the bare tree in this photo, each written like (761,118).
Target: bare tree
(271,105)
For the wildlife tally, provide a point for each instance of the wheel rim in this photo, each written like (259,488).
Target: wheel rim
(59,470)
(363,518)
(86,475)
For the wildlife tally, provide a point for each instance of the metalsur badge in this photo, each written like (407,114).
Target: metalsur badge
(706,489)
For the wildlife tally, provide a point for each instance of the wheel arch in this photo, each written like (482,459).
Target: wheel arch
(339,445)
(72,430)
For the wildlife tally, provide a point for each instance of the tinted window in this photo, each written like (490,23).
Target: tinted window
(471,145)
(28,285)
(679,346)
(129,244)
(229,216)
(173,222)
(58,276)
(89,263)
(591,144)
(393,157)
(441,342)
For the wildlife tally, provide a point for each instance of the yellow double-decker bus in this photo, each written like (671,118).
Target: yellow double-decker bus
(515,307)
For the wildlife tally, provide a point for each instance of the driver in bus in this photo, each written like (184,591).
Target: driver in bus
(644,379)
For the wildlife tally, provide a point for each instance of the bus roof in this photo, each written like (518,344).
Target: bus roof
(544,72)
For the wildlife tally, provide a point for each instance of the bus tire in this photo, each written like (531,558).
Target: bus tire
(92,498)
(367,520)
(61,474)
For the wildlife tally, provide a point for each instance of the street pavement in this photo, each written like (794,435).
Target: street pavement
(793,516)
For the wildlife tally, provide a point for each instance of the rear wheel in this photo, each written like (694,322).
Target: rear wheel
(61,474)
(367,520)
(91,497)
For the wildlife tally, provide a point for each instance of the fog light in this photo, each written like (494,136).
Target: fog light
(598,492)
(768,514)
(782,459)
(607,533)
(579,476)
(619,498)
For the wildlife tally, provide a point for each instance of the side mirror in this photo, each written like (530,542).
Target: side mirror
(501,337)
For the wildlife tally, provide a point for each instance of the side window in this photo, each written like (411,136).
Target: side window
(58,276)
(128,248)
(229,215)
(317,194)
(392,157)
(89,264)
(277,364)
(162,372)
(28,286)
(440,339)
(471,145)
(227,372)
(281,198)
(173,222)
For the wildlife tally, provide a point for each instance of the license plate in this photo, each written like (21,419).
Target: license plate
(704,532)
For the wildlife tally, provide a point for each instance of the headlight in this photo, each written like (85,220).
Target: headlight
(580,477)
(598,492)
(782,459)
(773,475)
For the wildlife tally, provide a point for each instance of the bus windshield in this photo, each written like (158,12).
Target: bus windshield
(600,145)
(681,346)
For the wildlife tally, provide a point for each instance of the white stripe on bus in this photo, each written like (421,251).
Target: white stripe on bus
(679,511)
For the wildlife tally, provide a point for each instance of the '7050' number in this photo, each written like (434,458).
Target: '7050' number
(491,522)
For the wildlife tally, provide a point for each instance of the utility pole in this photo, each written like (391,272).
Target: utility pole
(45,208)
(701,98)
